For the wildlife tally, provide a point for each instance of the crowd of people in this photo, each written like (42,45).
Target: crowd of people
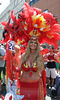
(34,74)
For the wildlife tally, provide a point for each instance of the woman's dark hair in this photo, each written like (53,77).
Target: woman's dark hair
(4,32)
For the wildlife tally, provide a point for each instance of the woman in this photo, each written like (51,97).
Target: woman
(32,66)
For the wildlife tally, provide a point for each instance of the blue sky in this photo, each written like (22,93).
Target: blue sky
(4,4)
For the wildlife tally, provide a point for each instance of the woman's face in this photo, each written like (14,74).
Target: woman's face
(33,44)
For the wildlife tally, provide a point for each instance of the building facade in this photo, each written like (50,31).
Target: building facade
(53,6)
(16,6)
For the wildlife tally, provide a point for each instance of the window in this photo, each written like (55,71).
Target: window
(32,2)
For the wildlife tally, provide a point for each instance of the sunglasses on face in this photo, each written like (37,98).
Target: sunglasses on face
(33,42)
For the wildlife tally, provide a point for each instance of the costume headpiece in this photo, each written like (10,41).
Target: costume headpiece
(29,20)
(33,38)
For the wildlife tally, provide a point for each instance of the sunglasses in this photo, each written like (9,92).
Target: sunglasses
(33,42)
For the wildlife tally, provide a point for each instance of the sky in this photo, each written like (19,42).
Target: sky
(4,4)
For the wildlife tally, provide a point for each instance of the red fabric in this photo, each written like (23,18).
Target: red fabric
(44,51)
(2,97)
(51,57)
(9,69)
(25,67)
(28,68)
(10,98)
(32,90)
(17,77)
(44,82)
(29,90)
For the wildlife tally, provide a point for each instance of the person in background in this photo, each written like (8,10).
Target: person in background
(57,67)
(51,66)
(57,57)
(33,77)
(2,62)
(4,68)
(57,62)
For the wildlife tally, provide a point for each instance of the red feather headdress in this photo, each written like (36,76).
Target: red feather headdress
(30,19)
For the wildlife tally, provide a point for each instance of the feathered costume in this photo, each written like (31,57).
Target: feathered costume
(29,20)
